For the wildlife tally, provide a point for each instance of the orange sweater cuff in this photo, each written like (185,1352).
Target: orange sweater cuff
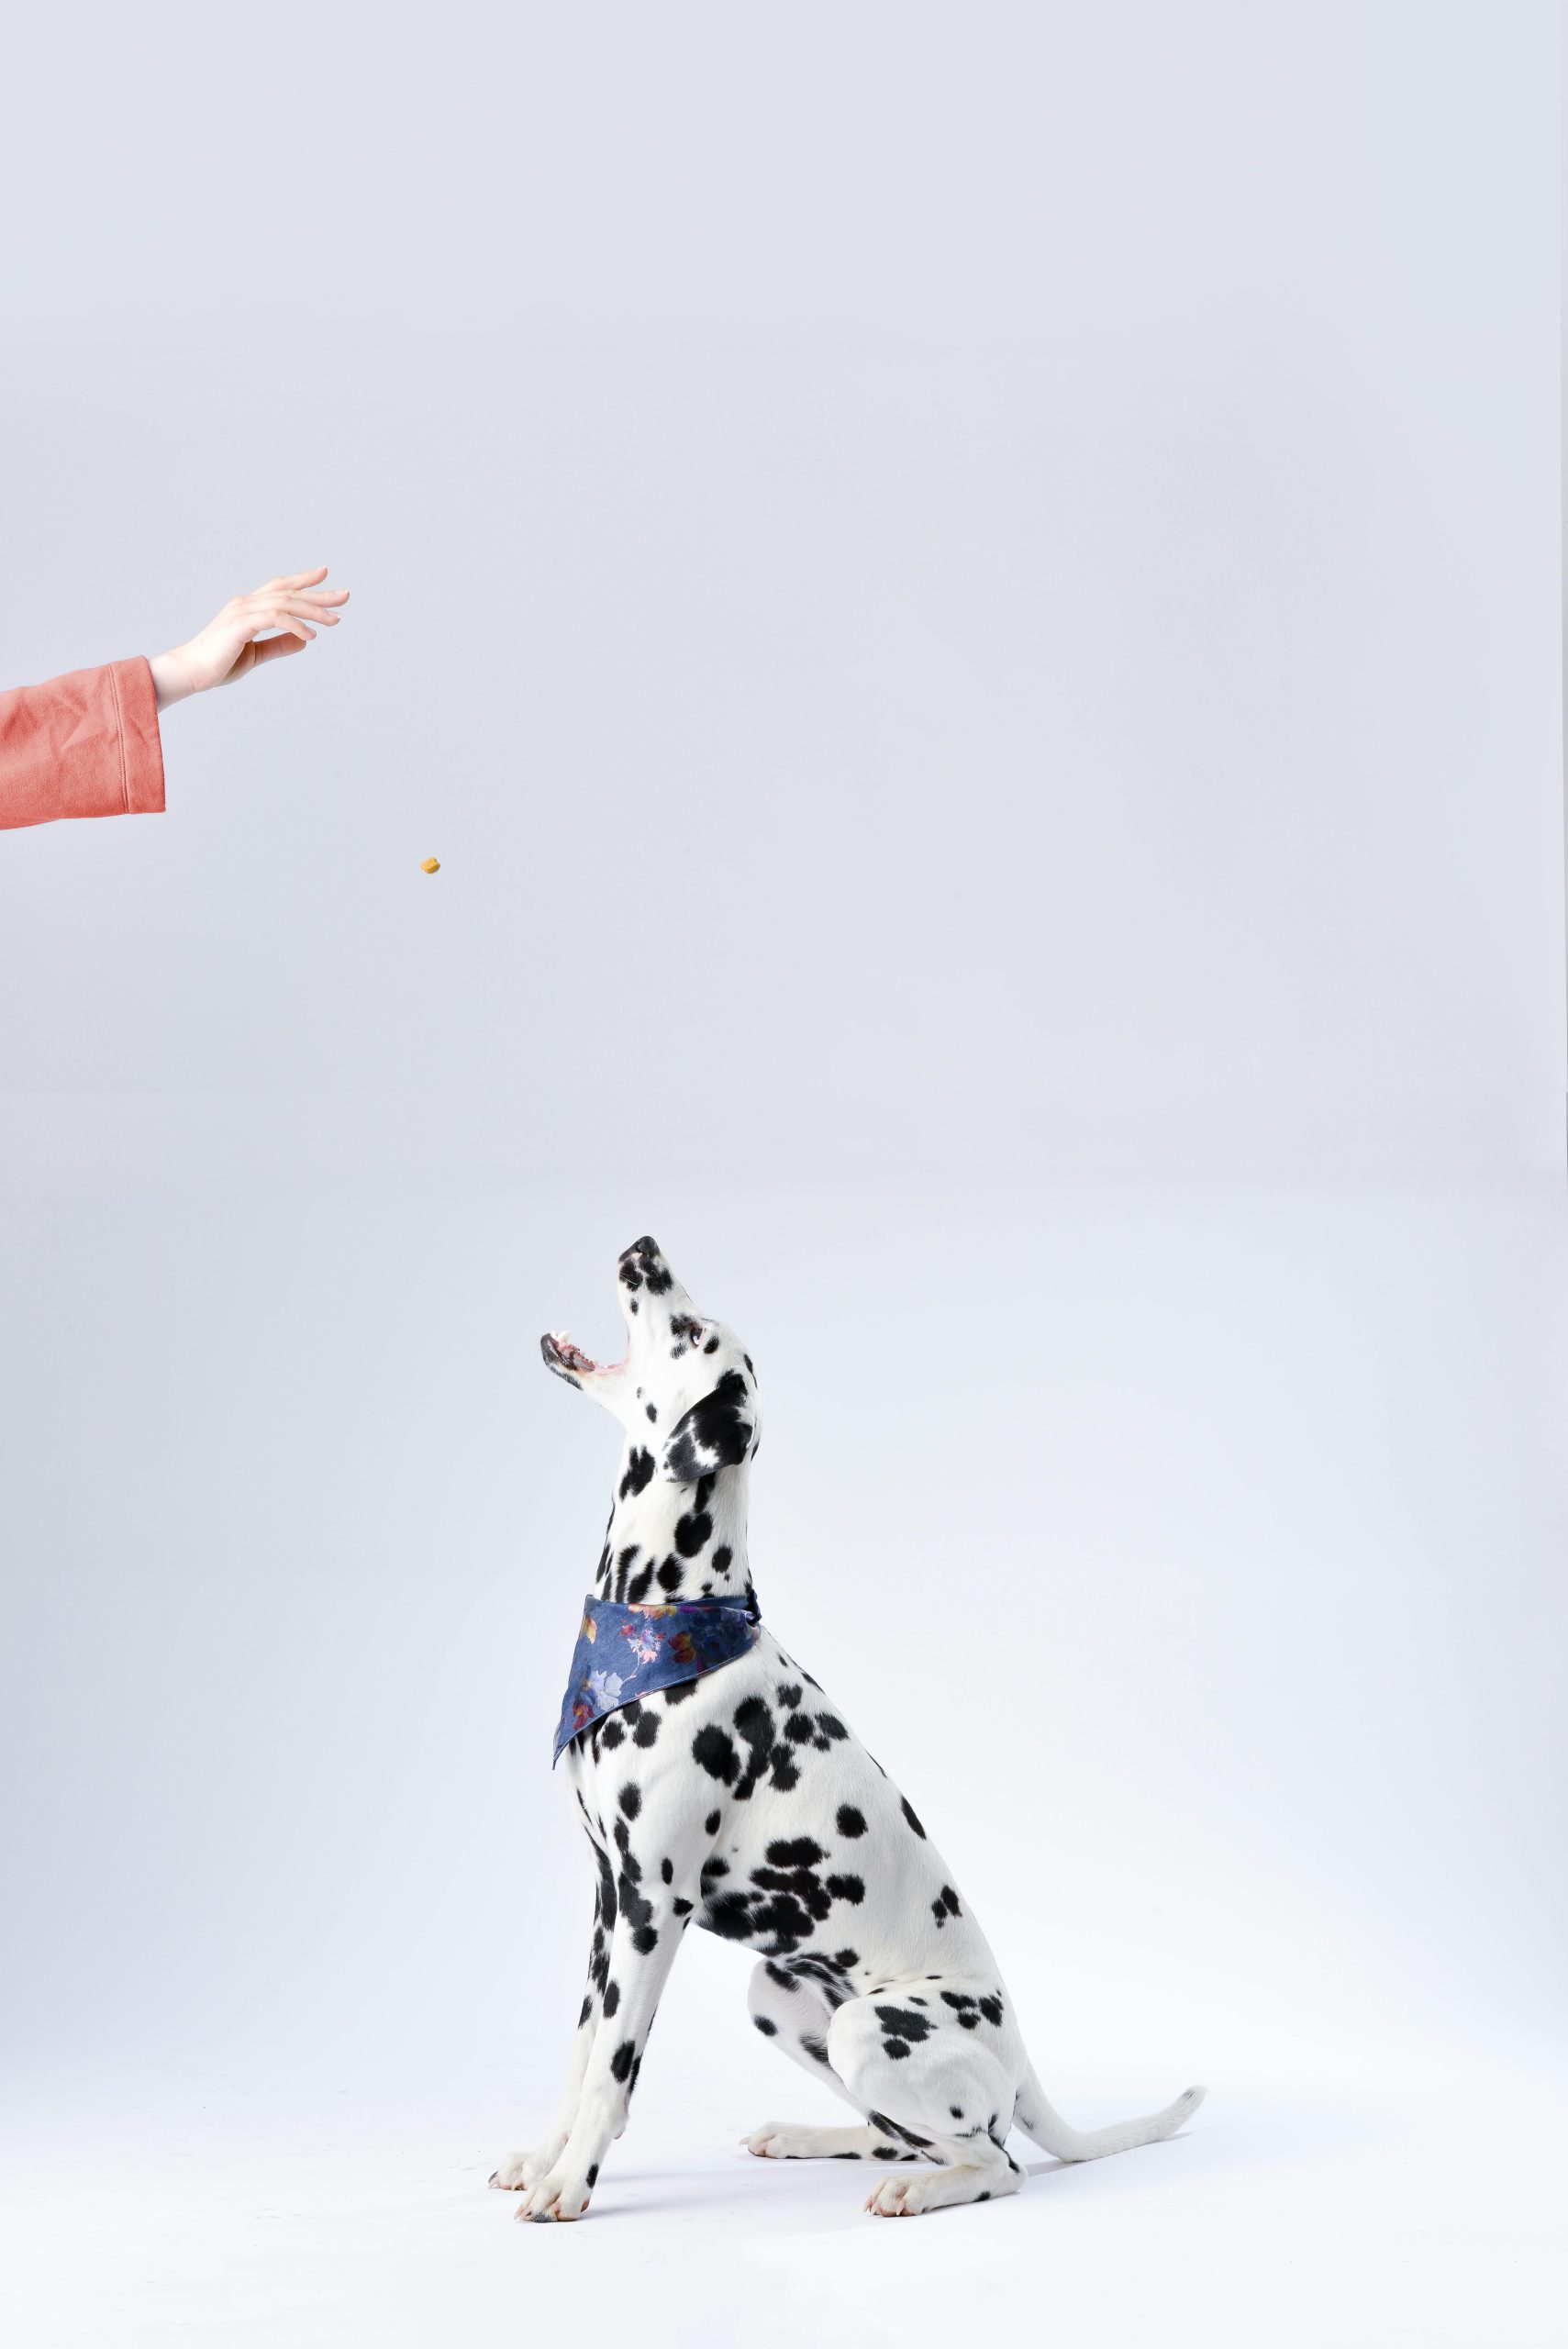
(141,746)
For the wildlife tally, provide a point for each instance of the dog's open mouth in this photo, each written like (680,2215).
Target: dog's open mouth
(562,1354)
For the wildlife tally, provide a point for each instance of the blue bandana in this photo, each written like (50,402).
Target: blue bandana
(624,1653)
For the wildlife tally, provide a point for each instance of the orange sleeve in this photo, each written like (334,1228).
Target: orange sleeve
(86,744)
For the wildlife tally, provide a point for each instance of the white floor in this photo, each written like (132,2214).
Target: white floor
(1288,2214)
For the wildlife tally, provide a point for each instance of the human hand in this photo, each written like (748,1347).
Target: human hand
(237,641)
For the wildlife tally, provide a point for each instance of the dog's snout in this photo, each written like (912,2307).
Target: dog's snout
(642,1267)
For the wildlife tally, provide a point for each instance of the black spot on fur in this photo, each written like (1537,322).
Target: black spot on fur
(630,1799)
(593,2173)
(729,1914)
(710,1824)
(769,2030)
(715,1751)
(612,1999)
(911,1817)
(754,1722)
(639,1472)
(620,2062)
(672,1574)
(816,2048)
(850,1821)
(891,2128)
(800,1852)
(692,1533)
(905,2023)
(847,1888)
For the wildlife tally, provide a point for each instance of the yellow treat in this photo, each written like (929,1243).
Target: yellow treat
(431,864)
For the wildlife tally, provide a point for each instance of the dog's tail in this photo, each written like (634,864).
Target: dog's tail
(1034,2117)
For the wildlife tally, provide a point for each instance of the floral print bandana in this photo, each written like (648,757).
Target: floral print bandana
(624,1653)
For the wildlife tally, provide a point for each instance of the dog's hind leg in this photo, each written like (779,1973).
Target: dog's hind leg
(934,2087)
(795,2012)
(787,2141)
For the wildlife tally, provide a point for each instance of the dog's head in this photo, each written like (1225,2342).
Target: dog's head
(686,1392)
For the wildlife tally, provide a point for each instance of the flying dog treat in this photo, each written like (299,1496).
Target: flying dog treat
(431,864)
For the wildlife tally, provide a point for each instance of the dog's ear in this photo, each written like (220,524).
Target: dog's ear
(716,1433)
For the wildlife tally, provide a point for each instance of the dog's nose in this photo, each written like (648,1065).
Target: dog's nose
(646,1246)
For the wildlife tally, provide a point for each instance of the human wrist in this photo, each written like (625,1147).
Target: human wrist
(171,680)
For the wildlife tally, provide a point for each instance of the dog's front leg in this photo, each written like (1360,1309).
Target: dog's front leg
(523,2169)
(648,1927)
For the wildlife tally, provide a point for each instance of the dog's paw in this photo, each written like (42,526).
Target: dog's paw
(557,2195)
(938,2190)
(524,2169)
(893,2198)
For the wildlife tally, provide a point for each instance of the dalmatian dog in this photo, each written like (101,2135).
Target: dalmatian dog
(742,1800)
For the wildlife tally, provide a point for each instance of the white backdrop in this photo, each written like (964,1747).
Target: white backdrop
(968,598)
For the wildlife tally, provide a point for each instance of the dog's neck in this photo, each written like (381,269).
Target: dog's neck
(667,1541)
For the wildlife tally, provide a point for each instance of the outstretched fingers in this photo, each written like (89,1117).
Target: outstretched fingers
(292,582)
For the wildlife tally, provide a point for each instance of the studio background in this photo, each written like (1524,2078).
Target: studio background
(968,598)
